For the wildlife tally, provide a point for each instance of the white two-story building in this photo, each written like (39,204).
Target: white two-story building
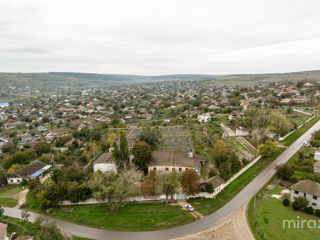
(308,189)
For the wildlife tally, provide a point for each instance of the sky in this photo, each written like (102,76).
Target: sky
(148,37)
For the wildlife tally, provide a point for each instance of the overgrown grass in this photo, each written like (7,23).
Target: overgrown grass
(10,191)
(294,136)
(207,206)
(269,217)
(8,202)
(131,217)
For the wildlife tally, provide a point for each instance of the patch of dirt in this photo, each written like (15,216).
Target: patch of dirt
(234,227)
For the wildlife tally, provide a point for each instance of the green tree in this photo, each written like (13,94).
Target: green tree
(3,177)
(268,148)
(190,182)
(124,150)
(300,203)
(42,199)
(152,136)
(42,147)
(46,231)
(284,172)
(169,183)
(150,185)
(219,152)
(142,156)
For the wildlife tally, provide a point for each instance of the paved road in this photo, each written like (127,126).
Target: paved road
(208,221)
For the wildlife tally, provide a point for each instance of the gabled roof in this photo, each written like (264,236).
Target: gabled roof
(216,181)
(175,158)
(307,186)
(104,158)
(31,169)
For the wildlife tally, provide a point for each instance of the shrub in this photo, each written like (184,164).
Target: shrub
(317,212)
(308,210)
(286,202)
(300,203)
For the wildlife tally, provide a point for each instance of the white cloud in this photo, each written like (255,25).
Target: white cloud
(159,37)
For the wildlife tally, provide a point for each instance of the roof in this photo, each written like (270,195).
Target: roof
(216,181)
(307,186)
(32,168)
(3,229)
(105,158)
(175,158)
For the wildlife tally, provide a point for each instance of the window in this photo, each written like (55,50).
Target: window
(315,197)
(314,204)
(180,169)
(304,194)
(155,168)
(296,192)
(167,169)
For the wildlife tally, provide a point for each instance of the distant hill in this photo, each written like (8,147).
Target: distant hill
(39,83)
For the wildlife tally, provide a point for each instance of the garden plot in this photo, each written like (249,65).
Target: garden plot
(176,138)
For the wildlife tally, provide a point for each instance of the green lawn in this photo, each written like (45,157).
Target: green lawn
(131,217)
(10,191)
(207,206)
(294,136)
(8,202)
(270,214)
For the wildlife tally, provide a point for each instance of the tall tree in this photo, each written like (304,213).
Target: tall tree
(149,186)
(190,182)
(169,183)
(124,150)
(3,177)
(142,156)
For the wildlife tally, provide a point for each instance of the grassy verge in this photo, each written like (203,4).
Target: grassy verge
(131,217)
(294,136)
(8,202)
(10,191)
(207,206)
(269,216)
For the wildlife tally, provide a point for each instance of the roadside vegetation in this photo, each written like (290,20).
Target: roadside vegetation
(131,217)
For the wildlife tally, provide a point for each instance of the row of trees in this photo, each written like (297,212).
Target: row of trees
(168,183)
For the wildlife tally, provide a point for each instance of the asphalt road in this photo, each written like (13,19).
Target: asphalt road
(206,222)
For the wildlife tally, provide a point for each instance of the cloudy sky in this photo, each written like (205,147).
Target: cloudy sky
(159,37)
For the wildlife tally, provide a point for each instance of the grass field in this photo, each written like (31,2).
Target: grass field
(294,136)
(207,206)
(131,217)
(270,214)
(10,191)
(8,202)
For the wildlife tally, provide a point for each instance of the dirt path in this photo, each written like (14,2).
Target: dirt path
(229,132)
(22,197)
(234,227)
(181,203)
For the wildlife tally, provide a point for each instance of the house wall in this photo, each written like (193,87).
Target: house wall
(317,157)
(105,167)
(294,195)
(171,169)
(14,180)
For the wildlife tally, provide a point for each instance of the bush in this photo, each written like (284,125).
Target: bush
(317,212)
(308,210)
(286,202)
(300,203)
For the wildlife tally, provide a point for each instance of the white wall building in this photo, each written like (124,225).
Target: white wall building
(105,163)
(206,117)
(308,189)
